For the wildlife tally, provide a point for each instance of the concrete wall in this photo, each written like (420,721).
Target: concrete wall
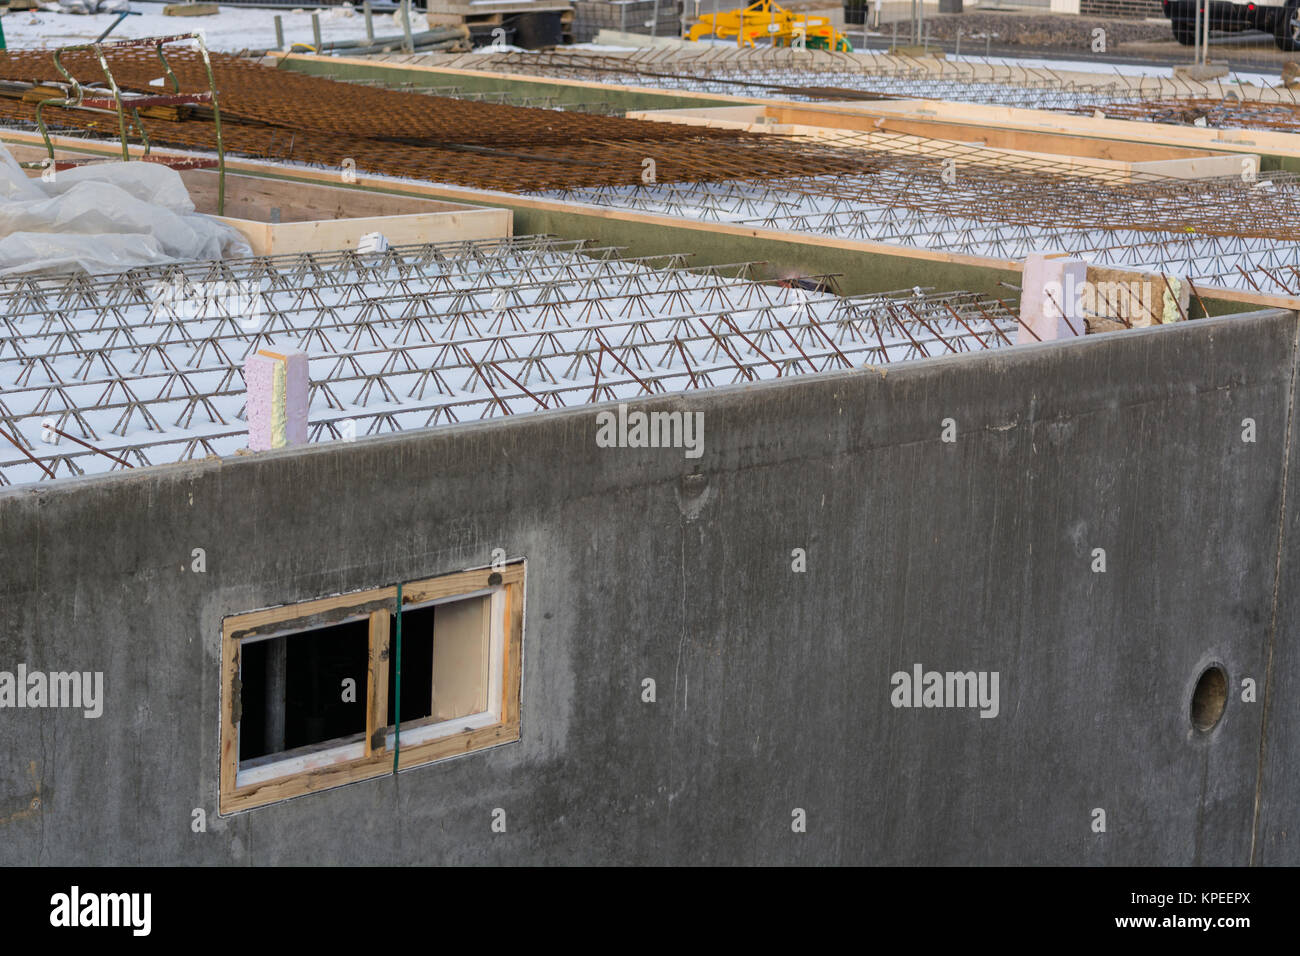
(773,686)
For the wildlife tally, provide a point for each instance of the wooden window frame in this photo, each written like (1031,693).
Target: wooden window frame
(426,741)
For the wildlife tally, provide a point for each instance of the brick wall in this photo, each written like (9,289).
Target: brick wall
(1135,9)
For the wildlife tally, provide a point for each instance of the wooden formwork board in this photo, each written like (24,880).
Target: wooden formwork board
(1017,128)
(1080,155)
(1053,139)
(1008,127)
(322,216)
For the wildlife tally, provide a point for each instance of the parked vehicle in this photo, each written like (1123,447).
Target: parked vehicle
(1278,17)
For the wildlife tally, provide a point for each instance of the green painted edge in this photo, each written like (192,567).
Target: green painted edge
(562,94)
(1269,162)
(857,272)
(626,100)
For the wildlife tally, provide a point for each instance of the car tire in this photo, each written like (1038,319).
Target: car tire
(1184,31)
(1286,34)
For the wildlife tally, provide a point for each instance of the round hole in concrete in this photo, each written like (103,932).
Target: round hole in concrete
(1209,698)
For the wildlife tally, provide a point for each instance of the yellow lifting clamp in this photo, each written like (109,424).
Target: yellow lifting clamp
(764,18)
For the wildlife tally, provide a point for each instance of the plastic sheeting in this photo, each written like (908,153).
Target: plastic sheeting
(104,217)
(87,6)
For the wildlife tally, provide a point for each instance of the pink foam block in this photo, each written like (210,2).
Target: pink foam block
(259,377)
(278,388)
(1050,298)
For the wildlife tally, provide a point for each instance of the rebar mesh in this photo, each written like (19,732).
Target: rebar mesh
(821,75)
(276,114)
(1236,232)
(145,367)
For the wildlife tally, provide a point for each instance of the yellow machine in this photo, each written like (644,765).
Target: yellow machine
(767,19)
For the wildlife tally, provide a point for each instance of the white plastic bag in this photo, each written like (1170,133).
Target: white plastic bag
(16,185)
(87,6)
(147,181)
(104,217)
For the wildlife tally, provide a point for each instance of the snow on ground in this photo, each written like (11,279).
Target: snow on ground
(231,30)
(498,48)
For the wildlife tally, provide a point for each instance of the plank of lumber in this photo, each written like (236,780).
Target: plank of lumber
(308,614)
(377,682)
(464,582)
(190,9)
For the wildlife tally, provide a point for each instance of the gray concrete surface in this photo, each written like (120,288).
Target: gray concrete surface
(773,686)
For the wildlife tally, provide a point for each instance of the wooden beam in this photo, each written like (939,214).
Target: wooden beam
(190,10)
(256,795)
(454,745)
(463,582)
(1078,155)
(511,689)
(231,708)
(377,683)
(308,614)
